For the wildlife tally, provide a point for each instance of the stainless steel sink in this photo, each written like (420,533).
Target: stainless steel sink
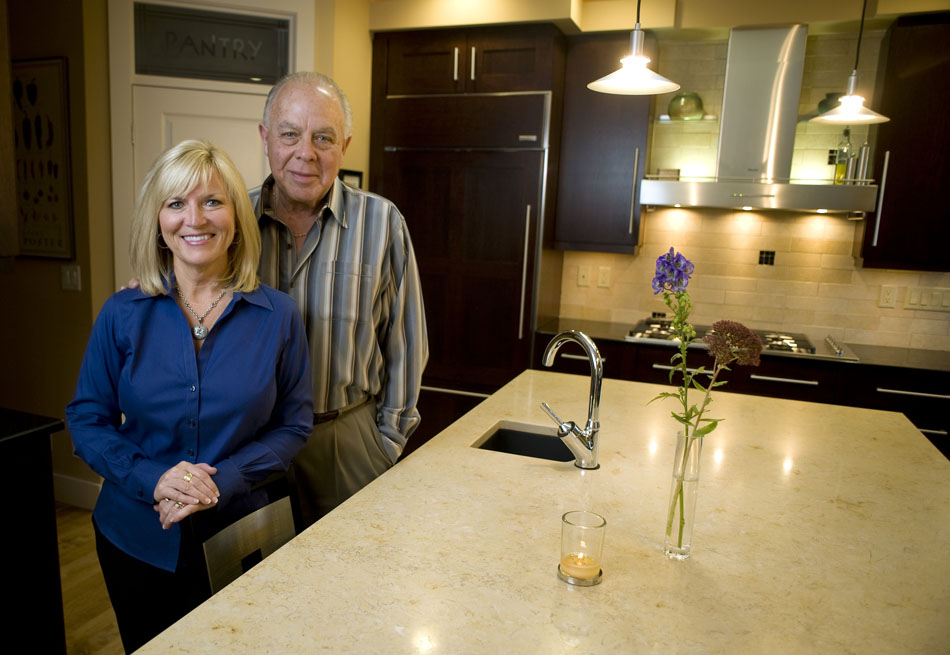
(526,440)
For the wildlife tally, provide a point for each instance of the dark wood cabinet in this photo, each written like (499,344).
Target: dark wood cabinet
(921,395)
(603,145)
(472,60)
(468,155)
(439,409)
(911,229)
(473,218)
(33,620)
(618,358)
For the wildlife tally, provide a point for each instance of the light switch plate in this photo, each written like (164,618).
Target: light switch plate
(931,299)
(70,277)
(603,276)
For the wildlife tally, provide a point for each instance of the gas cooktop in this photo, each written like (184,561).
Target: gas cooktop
(657,330)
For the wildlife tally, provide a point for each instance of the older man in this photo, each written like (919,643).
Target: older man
(345,256)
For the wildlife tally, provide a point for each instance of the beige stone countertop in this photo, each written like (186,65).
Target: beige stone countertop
(820,529)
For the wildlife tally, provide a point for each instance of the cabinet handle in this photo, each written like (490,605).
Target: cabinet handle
(473,64)
(454,392)
(583,358)
(768,378)
(918,394)
(633,194)
(455,70)
(667,367)
(938,433)
(880,197)
(524,270)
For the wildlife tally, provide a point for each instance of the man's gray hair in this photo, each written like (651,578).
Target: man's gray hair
(317,80)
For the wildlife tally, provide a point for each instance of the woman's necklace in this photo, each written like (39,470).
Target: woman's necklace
(200,331)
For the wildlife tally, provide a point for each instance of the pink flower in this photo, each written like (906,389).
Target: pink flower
(730,341)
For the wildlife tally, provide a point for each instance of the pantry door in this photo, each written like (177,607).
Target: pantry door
(152,112)
(163,117)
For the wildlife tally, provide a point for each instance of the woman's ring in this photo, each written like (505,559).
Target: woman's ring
(179,505)
(188,477)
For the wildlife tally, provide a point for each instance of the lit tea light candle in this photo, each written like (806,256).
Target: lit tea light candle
(582,540)
(580,565)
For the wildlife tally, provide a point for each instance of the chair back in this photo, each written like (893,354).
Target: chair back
(244,543)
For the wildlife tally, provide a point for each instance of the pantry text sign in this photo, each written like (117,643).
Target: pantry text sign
(210,45)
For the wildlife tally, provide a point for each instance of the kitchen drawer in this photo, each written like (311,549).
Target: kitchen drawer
(776,376)
(464,122)
(813,380)
(921,395)
(570,358)
(653,362)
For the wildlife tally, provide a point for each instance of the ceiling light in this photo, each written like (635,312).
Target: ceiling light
(851,110)
(634,78)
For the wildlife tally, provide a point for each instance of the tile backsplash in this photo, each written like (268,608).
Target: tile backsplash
(700,67)
(814,285)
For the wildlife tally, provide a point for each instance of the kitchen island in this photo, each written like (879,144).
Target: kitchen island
(819,528)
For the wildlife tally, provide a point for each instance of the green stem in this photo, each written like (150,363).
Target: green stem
(709,388)
(678,498)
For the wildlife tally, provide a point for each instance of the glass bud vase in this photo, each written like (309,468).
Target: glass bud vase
(681,510)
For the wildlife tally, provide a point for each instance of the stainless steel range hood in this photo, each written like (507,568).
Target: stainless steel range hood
(757,133)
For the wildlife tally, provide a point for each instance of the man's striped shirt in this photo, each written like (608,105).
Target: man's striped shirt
(356,283)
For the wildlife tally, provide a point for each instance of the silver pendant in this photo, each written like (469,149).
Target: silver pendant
(200,331)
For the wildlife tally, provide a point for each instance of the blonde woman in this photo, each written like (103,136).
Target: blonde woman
(194,387)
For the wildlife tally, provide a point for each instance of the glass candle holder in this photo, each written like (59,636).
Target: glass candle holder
(582,544)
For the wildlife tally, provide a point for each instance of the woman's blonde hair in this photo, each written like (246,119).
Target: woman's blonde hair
(175,173)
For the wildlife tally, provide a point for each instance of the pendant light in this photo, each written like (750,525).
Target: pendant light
(634,78)
(851,110)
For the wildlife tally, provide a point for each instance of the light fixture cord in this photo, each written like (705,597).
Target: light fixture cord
(638,11)
(857,54)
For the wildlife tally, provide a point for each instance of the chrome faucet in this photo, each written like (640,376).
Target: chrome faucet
(583,443)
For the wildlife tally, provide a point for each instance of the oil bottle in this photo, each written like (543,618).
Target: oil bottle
(842,157)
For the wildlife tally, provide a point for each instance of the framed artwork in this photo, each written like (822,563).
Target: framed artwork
(353,178)
(41,150)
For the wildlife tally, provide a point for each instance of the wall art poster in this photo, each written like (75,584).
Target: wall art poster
(41,144)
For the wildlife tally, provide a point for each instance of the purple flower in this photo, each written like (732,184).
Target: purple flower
(673,271)
(730,341)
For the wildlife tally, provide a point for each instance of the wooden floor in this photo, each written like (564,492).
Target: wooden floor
(90,622)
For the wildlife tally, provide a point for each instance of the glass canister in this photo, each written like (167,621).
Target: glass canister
(686,107)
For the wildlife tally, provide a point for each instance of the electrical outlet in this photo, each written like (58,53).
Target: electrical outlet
(603,276)
(583,276)
(888,297)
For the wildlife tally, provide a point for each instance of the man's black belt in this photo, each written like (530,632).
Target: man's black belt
(325,416)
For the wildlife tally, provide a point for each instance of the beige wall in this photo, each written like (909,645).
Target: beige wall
(45,329)
(597,15)
(8,213)
(344,50)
